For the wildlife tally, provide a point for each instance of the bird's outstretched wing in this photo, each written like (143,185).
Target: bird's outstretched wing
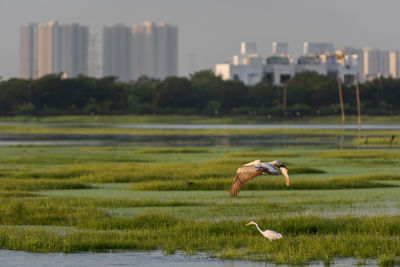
(243,175)
(255,162)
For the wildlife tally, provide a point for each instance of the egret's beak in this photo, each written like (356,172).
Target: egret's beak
(284,173)
(248,224)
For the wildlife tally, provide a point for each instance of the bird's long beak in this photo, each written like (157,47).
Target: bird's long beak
(247,224)
(284,173)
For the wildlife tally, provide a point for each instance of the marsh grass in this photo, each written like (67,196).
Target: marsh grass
(66,156)
(169,150)
(49,128)
(193,119)
(304,238)
(136,172)
(274,183)
(387,140)
(262,155)
(9,184)
(204,220)
(361,154)
(16,194)
(388,260)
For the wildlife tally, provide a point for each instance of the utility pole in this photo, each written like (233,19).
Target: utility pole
(358,103)
(341,100)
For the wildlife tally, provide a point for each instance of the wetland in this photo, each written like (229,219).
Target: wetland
(96,188)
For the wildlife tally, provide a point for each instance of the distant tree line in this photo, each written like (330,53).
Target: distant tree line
(308,93)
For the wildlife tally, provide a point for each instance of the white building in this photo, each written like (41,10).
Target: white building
(311,63)
(247,66)
(318,57)
(317,48)
(353,56)
(280,49)
(279,69)
(348,68)
(346,63)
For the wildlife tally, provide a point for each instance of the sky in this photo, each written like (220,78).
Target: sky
(210,31)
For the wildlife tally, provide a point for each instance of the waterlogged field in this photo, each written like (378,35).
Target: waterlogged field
(341,202)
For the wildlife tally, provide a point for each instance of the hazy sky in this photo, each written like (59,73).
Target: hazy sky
(210,31)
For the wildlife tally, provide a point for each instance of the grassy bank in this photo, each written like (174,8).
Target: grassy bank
(185,119)
(359,136)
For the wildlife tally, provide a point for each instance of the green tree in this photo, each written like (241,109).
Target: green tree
(178,94)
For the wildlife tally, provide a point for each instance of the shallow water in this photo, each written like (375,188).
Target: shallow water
(260,126)
(143,259)
(251,140)
(267,140)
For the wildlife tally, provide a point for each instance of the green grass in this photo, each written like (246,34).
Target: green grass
(7,184)
(341,203)
(186,119)
(305,238)
(112,128)
(347,182)
(357,154)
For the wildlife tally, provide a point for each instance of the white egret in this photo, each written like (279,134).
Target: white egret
(252,169)
(270,234)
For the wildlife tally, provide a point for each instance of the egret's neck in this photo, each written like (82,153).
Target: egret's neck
(258,228)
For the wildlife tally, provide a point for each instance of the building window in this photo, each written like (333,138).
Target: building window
(285,77)
(348,78)
(268,76)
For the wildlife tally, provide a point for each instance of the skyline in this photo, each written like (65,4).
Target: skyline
(210,32)
(53,48)
(149,49)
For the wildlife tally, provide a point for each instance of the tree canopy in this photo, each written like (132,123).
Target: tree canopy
(308,93)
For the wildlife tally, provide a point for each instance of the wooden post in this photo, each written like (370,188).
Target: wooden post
(341,100)
(358,103)
(284,97)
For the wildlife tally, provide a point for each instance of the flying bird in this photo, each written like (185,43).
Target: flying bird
(270,234)
(252,169)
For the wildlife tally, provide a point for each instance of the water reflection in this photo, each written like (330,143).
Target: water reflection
(249,140)
(265,140)
(143,259)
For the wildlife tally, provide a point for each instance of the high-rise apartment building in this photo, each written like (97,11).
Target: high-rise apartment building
(74,40)
(149,49)
(28,51)
(117,52)
(376,63)
(394,64)
(52,48)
